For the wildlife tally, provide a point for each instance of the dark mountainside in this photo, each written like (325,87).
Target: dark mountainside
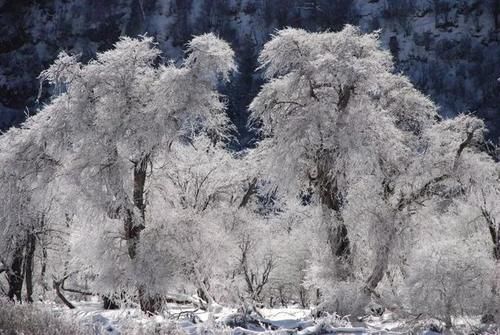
(450,49)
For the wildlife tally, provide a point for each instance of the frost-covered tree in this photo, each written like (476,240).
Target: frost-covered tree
(122,108)
(454,229)
(338,121)
(195,188)
(28,166)
(206,207)
(450,271)
(332,111)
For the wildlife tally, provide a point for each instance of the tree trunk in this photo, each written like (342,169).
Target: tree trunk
(57,286)
(15,276)
(149,304)
(202,287)
(132,228)
(337,235)
(381,263)
(303,297)
(494,233)
(43,265)
(252,188)
(28,266)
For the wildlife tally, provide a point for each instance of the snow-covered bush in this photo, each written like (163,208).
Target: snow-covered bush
(450,272)
(293,252)
(33,320)
(146,327)
(343,298)
(450,282)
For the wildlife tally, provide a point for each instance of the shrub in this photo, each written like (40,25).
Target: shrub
(450,282)
(31,320)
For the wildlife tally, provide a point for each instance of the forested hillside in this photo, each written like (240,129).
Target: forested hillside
(448,48)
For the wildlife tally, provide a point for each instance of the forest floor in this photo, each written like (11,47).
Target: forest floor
(280,321)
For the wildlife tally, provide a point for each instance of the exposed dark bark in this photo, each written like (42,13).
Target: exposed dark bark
(43,268)
(203,289)
(57,286)
(281,295)
(15,276)
(203,292)
(43,265)
(62,297)
(255,282)
(461,148)
(303,297)
(381,263)
(139,183)
(132,233)
(73,290)
(331,197)
(344,94)
(150,304)
(494,232)
(132,227)
(28,265)
(252,188)
(108,302)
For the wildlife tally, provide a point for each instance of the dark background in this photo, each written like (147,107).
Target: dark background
(450,49)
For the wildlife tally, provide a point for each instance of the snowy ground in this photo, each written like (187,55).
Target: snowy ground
(193,321)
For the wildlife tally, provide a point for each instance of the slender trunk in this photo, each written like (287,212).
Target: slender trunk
(43,269)
(383,252)
(203,292)
(303,297)
(447,319)
(202,287)
(494,229)
(282,297)
(149,303)
(43,265)
(381,262)
(28,266)
(337,234)
(495,292)
(57,286)
(15,274)
(132,228)
(252,188)
(318,296)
